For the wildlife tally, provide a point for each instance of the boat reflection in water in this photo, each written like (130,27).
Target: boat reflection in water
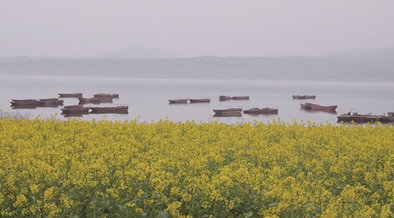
(227,115)
(72,114)
(319,111)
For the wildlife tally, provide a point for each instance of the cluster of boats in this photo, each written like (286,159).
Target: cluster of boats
(74,110)
(237,112)
(80,109)
(227,111)
(34,103)
(347,117)
(206,100)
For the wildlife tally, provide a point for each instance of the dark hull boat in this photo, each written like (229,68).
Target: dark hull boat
(310,106)
(256,110)
(200,100)
(100,95)
(70,95)
(113,110)
(228,112)
(304,96)
(23,102)
(49,102)
(75,109)
(240,98)
(224,98)
(178,101)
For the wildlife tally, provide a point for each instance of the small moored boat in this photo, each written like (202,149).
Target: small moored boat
(49,102)
(256,110)
(99,95)
(228,111)
(361,118)
(114,110)
(89,100)
(311,106)
(76,109)
(224,98)
(21,102)
(304,96)
(70,95)
(240,97)
(178,101)
(199,100)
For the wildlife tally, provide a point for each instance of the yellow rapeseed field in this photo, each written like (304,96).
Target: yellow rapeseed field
(73,168)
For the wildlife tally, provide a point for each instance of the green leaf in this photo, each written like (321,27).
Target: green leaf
(163,214)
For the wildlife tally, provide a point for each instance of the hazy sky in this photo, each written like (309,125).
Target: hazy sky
(189,28)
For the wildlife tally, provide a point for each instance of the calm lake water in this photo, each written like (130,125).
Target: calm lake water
(148,98)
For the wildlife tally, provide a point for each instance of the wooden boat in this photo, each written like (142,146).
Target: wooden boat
(24,106)
(75,109)
(89,100)
(199,100)
(99,95)
(361,118)
(224,98)
(240,97)
(256,110)
(228,111)
(20,102)
(373,118)
(114,109)
(355,117)
(70,95)
(49,102)
(310,106)
(104,99)
(389,118)
(304,96)
(73,106)
(178,101)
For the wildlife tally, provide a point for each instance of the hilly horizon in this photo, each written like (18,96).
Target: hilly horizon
(376,64)
(138,51)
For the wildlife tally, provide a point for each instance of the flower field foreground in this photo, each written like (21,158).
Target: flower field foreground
(51,168)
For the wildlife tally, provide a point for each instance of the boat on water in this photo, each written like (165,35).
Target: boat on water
(21,102)
(224,98)
(75,109)
(311,106)
(199,100)
(304,96)
(362,118)
(240,97)
(89,100)
(113,110)
(49,102)
(178,101)
(70,95)
(257,110)
(104,99)
(228,111)
(99,95)
(24,106)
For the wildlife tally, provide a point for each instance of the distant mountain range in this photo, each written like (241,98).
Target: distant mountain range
(137,52)
(377,64)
